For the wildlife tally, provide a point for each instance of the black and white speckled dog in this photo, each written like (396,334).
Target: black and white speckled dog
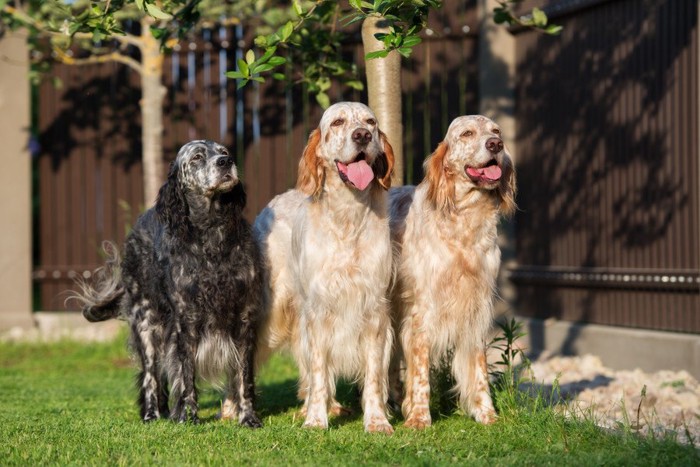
(190,286)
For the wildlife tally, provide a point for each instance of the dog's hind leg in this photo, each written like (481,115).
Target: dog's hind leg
(149,380)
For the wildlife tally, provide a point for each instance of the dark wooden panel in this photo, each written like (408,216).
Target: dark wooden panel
(608,162)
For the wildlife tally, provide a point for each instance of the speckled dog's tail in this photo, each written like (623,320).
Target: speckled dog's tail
(100,300)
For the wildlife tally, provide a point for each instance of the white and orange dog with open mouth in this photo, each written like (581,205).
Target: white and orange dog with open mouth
(329,255)
(446,231)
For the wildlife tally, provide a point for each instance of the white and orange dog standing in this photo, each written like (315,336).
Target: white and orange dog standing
(329,255)
(446,232)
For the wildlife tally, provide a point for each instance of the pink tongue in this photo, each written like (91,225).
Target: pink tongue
(492,172)
(360,174)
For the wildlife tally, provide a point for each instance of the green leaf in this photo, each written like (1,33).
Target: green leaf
(235,74)
(157,13)
(139,3)
(243,67)
(376,54)
(323,84)
(261,41)
(287,30)
(158,33)
(277,61)
(410,41)
(250,56)
(405,51)
(358,85)
(268,53)
(258,79)
(500,16)
(323,100)
(262,68)
(73,28)
(279,76)
(539,17)
(241,83)
(296,5)
(553,29)
(356,4)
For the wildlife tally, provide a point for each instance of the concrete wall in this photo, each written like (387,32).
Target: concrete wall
(618,348)
(15,185)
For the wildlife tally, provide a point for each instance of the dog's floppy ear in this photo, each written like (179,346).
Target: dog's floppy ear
(171,206)
(506,189)
(310,178)
(383,166)
(439,179)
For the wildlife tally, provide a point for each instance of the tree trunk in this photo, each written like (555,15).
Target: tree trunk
(152,99)
(384,89)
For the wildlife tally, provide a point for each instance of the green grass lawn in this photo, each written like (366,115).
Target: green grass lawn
(74,403)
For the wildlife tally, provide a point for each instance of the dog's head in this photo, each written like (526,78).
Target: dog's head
(471,157)
(203,172)
(348,145)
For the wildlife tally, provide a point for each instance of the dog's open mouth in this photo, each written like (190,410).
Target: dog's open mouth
(357,173)
(488,174)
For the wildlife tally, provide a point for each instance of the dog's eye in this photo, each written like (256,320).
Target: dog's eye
(198,156)
(371,121)
(223,152)
(496,131)
(338,122)
(468,133)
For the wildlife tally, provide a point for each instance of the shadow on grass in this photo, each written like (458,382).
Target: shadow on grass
(281,396)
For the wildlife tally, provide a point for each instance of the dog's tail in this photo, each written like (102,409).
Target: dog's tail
(100,300)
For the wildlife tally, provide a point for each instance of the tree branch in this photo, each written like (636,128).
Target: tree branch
(62,57)
(22,16)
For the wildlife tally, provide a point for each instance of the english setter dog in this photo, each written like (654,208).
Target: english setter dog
(329,256)
(190,287)
(445,231)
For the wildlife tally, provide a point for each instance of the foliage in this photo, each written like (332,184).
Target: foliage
(301,42)
(92,26)
(537,19)
(505,371)
(312,35)
(74,403)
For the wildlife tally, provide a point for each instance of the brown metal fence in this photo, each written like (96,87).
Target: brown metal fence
(609,227)
(90,175)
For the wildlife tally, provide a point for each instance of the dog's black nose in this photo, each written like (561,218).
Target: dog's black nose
(224,161)
(361,136)
(494,145)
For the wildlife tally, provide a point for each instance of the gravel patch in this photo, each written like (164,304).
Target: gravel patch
(670,403)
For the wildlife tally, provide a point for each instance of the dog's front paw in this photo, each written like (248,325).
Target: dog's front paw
(316,423)
(418,421)
(379,426)
(180,416)
(251,421)
(150,416)
(486,417)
